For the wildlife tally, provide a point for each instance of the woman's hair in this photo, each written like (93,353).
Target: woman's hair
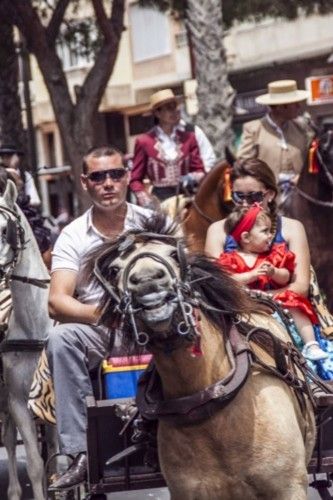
(236,216)
(260,171)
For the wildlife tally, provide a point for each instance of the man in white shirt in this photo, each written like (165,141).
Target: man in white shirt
(77,345)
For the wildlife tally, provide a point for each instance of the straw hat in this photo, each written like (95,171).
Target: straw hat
(162,97)
(282,92)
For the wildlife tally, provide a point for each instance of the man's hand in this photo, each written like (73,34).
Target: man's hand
(144,200)
(188,182)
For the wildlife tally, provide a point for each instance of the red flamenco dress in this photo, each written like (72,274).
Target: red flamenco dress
(279,256)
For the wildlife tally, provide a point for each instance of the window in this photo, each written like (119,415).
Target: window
(150,33)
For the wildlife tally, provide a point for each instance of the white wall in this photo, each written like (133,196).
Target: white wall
(251,44)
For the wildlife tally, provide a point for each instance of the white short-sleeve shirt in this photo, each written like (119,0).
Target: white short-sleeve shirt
(79,238)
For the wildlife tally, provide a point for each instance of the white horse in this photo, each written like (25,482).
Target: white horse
(22,264)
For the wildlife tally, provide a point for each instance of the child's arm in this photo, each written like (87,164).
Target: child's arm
(280,275)
(247,277)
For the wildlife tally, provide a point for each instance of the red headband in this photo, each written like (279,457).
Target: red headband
(247,222)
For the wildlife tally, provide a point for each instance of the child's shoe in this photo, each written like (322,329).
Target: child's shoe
(313,352)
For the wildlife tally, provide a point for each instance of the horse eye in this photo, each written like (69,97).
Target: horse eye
(174,255)
(113,271)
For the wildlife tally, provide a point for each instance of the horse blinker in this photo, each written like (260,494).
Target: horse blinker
(11,234)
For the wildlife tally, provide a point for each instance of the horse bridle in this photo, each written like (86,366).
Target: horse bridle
(329,177)
(13,226)
(187,300)
(17,246)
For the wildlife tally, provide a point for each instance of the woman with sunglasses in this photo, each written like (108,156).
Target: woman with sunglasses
(254,182)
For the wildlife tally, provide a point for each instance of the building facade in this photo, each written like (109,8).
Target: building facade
(154,54)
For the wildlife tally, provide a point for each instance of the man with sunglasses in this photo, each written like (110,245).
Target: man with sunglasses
(168,155)
(77,345)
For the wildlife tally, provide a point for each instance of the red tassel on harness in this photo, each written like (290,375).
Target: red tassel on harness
(313,165)
(227,185)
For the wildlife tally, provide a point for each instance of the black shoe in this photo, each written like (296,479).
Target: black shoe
(74,475)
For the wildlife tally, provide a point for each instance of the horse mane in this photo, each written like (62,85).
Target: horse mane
(213,178)
(208,280)
(218,289)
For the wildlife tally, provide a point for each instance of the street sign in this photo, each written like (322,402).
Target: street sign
(320,88)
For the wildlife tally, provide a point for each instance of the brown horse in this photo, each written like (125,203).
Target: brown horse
(257,445)
(207,207)
(311,202)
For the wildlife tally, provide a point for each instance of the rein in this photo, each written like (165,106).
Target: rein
(40,283)
(315,201)
(329,177)
(200,212)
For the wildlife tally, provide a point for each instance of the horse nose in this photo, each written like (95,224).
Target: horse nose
(147,275)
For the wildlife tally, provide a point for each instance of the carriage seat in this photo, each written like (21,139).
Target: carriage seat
(120,377)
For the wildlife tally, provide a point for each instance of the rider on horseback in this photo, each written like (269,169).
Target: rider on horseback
(168,155)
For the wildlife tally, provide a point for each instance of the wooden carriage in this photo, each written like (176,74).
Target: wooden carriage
(108,435)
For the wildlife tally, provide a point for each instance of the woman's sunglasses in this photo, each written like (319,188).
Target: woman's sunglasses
(116,174)
(253,197)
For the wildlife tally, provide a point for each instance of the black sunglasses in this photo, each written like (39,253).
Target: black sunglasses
(116,174)
(253,197)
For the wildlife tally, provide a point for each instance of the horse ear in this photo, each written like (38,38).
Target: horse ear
(229,156)
(10,194)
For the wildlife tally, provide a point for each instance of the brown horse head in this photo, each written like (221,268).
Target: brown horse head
(210,204)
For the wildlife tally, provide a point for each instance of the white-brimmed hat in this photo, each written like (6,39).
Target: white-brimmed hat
(162,97)
(282,92)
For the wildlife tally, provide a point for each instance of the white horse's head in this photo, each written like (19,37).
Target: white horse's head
(8,225)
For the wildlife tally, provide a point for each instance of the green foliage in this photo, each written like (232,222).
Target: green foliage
(256,10)
(242,10)
(175,7)
(83,37)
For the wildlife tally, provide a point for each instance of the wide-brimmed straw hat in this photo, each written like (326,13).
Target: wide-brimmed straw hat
(282,92)
(163,97)
(10,149)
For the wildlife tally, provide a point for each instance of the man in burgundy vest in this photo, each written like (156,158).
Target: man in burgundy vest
(167,155)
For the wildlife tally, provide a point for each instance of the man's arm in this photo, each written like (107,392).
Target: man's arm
(248,147)
(63,306)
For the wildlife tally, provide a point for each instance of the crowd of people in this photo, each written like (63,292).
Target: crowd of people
(259,247)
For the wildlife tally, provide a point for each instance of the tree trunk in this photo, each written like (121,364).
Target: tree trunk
(11,127)
(215,94)
(75,119)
